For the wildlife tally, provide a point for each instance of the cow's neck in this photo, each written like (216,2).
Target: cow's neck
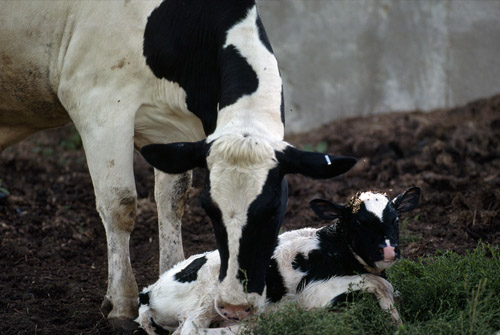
(333,238)
(251,86)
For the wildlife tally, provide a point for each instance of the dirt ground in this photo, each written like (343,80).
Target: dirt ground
(52,243)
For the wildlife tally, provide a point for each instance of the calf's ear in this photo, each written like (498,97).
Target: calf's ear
(176,158)
(327,210)
(408,200)
(313,164)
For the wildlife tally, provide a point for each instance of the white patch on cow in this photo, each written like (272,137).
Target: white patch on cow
(374,203)
(289,245)
(320,293)
(258,114)
(191,298)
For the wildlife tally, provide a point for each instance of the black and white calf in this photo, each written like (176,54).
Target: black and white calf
(132,73)
(312,266)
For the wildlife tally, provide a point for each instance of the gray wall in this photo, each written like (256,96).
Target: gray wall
(341,58)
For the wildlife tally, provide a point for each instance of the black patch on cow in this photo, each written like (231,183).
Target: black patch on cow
(183,43)
(190,272)
(274,282)
(144,298)
(214,213)
(332,258)
(301,263)
(258,240)
(237,75)
(159,329)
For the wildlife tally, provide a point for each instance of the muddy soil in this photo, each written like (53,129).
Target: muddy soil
(52,243)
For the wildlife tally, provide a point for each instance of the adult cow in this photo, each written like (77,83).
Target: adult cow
(131,73)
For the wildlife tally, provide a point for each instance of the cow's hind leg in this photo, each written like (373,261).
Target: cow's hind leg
(109,150)
(171,192)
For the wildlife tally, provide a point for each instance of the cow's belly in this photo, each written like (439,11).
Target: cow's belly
(29,53)
(26,98)
(27,103)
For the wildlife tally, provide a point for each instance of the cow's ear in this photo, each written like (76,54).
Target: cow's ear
(408,200)
(313,164)
(327,210)
(176,157)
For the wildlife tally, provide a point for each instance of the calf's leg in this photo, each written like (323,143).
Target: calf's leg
(321,293)
(198,323)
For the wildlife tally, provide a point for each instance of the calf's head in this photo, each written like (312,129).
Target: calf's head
(370,223)
(245,197)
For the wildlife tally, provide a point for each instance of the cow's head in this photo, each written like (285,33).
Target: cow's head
(245,197)
(371,224)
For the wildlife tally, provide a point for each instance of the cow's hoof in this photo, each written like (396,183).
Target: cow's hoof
(106,305)
(126,325)
(3,198)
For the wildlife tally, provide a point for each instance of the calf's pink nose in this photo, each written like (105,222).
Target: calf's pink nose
(234,312)
(389,254)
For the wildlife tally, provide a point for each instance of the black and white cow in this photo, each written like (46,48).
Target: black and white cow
(312,266)
(127,74)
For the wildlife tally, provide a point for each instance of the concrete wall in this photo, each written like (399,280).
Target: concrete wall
(342,58)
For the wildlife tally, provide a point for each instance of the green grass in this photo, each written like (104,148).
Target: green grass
(405,235)
(444,294)
(319,147)
(3,189)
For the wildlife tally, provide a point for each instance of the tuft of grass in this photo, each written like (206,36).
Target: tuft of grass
(450,293)
(3,188)
(405,235)
(444,294)
(291,319)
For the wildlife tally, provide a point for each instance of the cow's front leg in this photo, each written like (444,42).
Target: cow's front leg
(109,151)
(322,294)
(171,192)
(382,289)
(384,292)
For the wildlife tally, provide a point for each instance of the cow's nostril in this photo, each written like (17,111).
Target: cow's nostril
(248,310)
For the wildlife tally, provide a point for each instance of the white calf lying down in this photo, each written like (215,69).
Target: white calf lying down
(312,266)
